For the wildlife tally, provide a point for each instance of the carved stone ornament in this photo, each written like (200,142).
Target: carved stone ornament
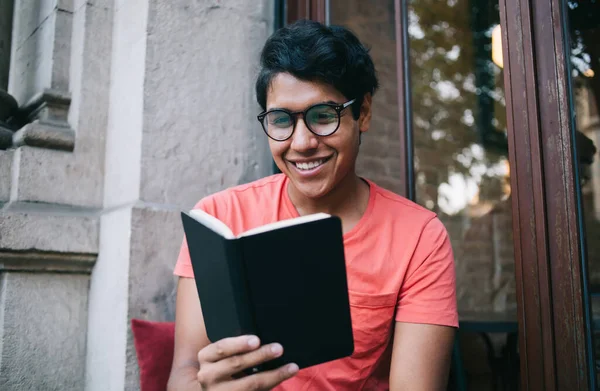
(46,124)
(8,106)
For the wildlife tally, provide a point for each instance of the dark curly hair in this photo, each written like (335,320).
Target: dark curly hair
(311,51)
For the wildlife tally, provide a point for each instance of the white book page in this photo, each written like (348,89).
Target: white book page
(285,223)
(212,223)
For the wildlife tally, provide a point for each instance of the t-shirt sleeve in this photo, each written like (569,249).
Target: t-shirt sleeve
(428,293)
(183,266)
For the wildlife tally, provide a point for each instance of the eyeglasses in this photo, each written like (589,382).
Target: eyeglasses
(322,119)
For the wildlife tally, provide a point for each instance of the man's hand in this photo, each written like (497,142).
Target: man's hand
(222,362)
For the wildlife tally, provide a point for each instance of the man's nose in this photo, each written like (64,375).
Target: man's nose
(303,139)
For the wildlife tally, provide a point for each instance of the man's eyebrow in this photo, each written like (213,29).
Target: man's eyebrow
(314,104)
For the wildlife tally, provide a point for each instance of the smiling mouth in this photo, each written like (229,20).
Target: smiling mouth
(307,166)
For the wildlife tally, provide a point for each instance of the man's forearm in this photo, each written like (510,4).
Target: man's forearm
(184,379)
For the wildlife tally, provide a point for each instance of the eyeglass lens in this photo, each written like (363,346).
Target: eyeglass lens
(322,120)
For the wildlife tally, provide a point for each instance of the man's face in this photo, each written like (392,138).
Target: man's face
(315,164)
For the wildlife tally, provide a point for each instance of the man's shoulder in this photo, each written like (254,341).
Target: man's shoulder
(405,217)
(395,205)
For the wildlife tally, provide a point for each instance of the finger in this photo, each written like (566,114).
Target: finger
(230,366)
(267,380)
(228,347)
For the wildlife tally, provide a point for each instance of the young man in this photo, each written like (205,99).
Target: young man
(316,87)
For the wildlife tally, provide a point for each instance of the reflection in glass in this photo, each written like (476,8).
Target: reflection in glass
(461,165)
(584,33)
(460,142)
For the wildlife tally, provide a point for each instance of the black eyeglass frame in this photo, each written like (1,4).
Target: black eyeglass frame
(294,115)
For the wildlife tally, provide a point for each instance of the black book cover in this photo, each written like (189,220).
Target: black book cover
(286,285)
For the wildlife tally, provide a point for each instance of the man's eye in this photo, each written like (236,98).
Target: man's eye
(280,121)
(324,117)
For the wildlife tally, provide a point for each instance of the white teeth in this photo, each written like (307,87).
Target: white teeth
(309,166)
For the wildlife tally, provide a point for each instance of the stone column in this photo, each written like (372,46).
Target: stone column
(6,17)
(51,200)
(182,124)
(7,102)
(40,70)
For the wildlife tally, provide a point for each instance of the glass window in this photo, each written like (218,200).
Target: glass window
(461,166)
(461,159)
(584,56)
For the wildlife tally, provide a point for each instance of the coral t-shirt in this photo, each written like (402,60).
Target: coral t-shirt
(399,265)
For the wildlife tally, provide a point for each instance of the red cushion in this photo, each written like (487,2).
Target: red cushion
(154,342)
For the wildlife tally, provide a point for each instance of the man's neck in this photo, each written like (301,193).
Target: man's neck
(348,199)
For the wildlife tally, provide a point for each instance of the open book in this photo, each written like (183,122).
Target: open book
(284,282)
(221,228)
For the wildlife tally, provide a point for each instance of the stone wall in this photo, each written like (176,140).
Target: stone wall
(41,47)
(43,327)
(51,196)
(136,110)
(181,126)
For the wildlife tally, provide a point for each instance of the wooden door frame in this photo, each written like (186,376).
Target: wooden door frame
(306,9)
(554,325)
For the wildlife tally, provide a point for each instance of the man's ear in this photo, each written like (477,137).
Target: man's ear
(364,121)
